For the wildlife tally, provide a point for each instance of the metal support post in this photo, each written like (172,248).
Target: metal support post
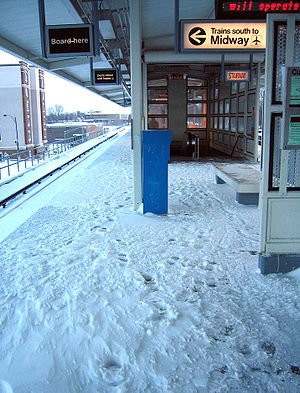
(222,67)
(251,66)
(176,35)
(96,27)
(91,71)
(137,97)
(42,25)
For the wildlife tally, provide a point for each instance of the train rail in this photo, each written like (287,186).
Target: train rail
(23,190)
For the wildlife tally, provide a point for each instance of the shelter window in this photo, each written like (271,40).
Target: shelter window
(250,127)
(221,107)
(221,123)
(216,93)
(234,87)
(196,122)
(199,108)
(158,109)
(242,104)
(216,123)
(242,86)
(241,124)
(157,123)
(157,82)
(227,106)
(233,124)
(197,82)
(226,123)
(158,95)
(216,107)
(233,106)
(195,94)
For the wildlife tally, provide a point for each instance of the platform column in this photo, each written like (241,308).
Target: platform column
(137,97)
(280,185)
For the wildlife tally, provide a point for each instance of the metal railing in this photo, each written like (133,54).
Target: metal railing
(11,164)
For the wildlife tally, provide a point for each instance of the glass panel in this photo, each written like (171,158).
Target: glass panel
(221,123)
(233,106)
(234,87)
(197,94)
(196,122)
(233,124)
(227,106)
(241,125)
(211,122)
(221,106)
(253,83)
(157,95)
(250,127)
(197,109)
(211,105)
(158,109)
(250,103)
(157,123)
(211,93)
(216,93)
(215,122)
(216,107)
(226,124)
(241,104)
(197,82)
(157,82)
(242,86)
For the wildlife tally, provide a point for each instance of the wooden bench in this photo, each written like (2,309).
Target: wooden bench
(242,178)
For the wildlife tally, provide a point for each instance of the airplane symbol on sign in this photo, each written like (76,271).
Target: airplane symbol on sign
(256,41)
(197,36)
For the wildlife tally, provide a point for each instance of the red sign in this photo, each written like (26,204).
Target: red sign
(254,9)
(237,76)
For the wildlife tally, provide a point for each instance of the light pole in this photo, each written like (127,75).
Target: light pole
(14,119)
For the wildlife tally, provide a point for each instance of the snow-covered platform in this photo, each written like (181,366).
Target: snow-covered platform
(95,297)
(242,178)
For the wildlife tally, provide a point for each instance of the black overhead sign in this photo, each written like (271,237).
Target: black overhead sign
(69,40)
(106,77)
(254,9)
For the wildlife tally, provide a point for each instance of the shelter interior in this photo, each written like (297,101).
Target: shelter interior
(207,115)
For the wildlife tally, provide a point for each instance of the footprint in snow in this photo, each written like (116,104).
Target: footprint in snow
(113,373)
(123,258)
(149,281)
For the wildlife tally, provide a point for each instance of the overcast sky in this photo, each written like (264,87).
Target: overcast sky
(72,97)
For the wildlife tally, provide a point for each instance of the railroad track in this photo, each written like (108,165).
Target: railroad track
(23,191)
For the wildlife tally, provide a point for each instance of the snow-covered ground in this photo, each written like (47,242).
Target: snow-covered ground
(9,168)
(98,298)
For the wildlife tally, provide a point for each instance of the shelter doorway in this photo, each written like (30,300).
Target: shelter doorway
(207,116)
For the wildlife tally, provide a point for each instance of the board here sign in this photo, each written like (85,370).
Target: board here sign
(69,40)
(202,35)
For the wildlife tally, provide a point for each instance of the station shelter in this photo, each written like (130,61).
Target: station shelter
(218,102)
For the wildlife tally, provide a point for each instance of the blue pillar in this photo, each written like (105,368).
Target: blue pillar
(156,154)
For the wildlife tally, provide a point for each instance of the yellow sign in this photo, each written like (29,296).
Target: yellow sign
(220,35)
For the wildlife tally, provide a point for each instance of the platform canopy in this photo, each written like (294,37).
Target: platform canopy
(20,35)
